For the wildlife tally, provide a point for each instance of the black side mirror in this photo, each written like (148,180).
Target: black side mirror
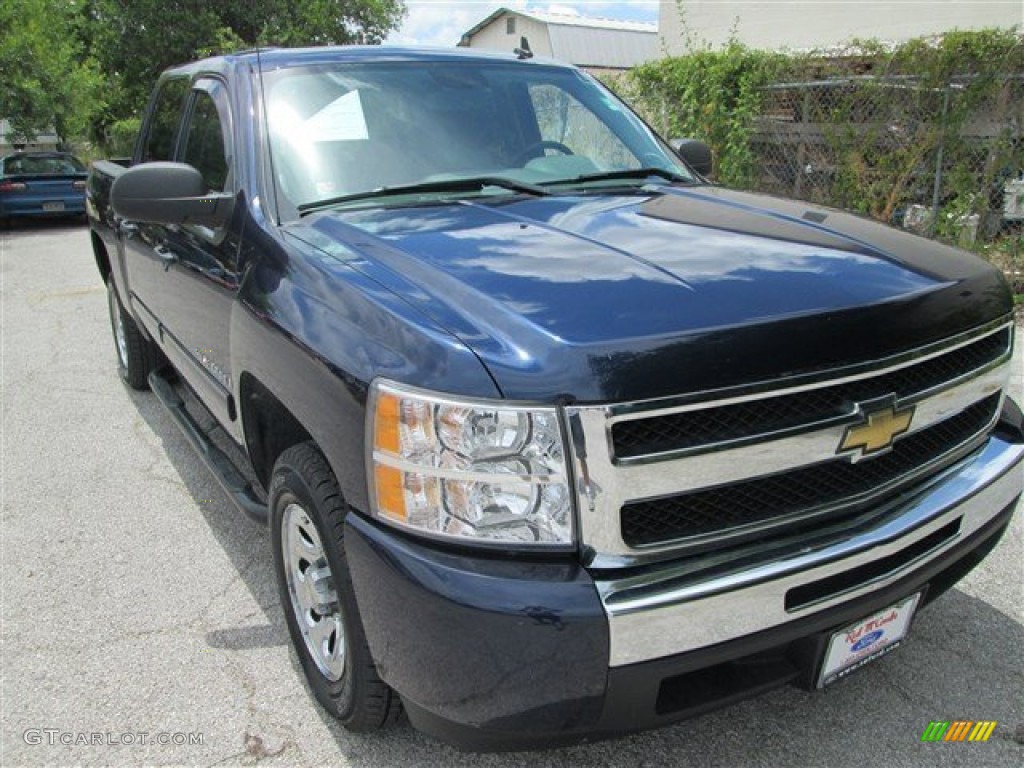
(695,154)
(168,193)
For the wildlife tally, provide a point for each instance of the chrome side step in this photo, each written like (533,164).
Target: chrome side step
(234,483)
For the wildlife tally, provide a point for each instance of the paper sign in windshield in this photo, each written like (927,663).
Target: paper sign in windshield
(341,120)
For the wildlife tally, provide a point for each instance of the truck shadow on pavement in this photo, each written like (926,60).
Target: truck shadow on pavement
(961,662)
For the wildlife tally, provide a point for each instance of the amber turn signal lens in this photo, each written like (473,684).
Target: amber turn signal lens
(390,494)
(386,427)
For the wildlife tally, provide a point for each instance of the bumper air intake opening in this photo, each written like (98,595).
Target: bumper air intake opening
(710,688)
(808,594)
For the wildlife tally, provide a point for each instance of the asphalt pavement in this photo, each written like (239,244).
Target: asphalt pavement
(141,625)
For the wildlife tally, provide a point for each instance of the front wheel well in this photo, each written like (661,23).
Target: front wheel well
(99,252)
(270,428)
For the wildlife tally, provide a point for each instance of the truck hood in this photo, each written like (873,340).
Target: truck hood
(598,297)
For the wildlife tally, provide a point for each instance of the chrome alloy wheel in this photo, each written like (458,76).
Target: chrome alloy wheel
(311,590)
(118,323)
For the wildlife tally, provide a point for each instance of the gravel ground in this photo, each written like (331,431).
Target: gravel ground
(139,606)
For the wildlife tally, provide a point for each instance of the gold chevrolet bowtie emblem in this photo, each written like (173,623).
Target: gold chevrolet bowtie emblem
(877,432)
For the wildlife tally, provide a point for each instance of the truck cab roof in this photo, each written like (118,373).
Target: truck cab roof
(290,57)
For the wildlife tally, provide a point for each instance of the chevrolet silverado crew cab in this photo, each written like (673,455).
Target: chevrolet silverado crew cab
(555,439)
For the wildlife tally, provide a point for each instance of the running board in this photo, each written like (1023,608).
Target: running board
(224,470)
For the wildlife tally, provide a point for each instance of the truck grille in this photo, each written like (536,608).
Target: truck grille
(660,478)
(680,431)
(820,487)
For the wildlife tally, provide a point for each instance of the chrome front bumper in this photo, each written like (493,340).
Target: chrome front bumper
(669,609)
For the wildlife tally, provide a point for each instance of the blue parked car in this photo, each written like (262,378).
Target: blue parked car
(39,184)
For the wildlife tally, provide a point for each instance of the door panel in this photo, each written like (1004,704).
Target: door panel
(188,275)
(204,265)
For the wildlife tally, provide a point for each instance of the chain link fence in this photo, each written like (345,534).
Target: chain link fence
(940,161)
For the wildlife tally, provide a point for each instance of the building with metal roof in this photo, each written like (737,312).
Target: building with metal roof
(595,44)
(46,141)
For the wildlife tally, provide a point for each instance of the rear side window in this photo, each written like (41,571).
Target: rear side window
(205,142)
(163,124)
(43,165)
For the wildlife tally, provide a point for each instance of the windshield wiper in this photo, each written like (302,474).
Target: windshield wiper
(470,184)
(629,173)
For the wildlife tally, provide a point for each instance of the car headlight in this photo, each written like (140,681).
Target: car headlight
(474,471)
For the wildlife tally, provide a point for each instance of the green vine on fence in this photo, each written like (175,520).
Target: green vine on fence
(712,95)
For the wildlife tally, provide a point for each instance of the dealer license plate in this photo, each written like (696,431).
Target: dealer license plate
(50,207)
(866,640)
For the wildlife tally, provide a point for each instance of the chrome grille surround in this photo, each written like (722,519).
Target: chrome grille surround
(605,483)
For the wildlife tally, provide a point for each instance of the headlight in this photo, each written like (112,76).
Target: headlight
(474,471)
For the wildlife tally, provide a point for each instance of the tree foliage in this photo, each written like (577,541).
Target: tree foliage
(48,81)
(93,62)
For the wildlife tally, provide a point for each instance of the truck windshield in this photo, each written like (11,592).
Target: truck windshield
(340,131)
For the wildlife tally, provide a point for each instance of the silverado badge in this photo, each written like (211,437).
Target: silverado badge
(880,426)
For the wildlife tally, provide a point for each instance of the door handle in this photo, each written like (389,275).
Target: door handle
(166,255)
(127,228)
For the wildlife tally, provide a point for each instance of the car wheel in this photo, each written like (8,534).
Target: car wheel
(134,360)
(307,528)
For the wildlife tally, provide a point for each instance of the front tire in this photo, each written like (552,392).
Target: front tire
(134,359)
(307,515)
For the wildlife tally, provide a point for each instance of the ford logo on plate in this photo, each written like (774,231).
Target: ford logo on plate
(868,640)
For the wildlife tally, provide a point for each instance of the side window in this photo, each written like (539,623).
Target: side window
(205,134)
(163,123)
(563,119)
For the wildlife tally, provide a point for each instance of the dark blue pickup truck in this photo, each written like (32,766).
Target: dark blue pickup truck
(556,440)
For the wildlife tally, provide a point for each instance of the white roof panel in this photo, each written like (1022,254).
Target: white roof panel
(602,46)
(590,22)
